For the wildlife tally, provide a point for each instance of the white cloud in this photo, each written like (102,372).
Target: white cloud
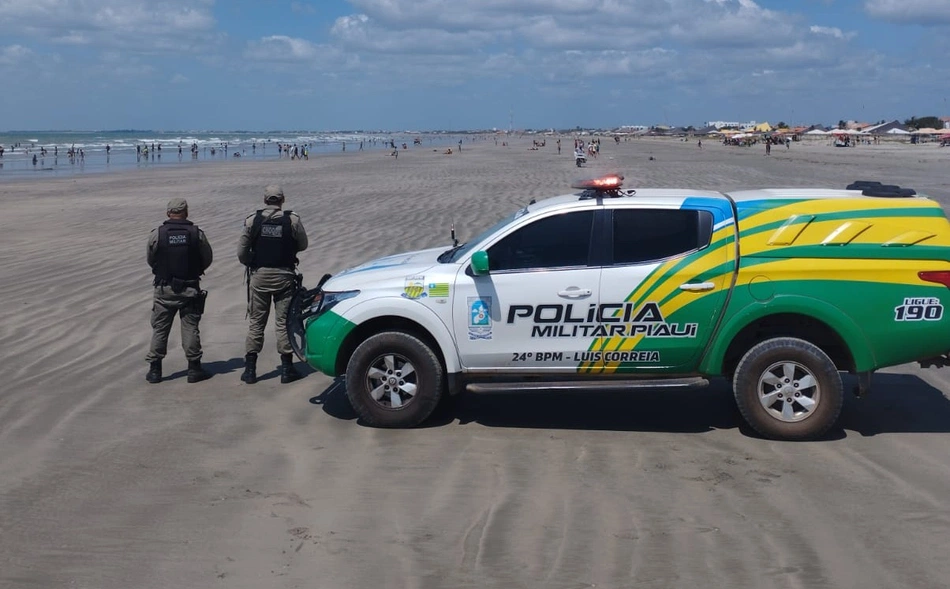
(685,48)
(616,63)
(832,32)
(924,12)
(281,48)
(132,24)
(14,54)
(677,44)
(558,39)
(594,25)
(357,32)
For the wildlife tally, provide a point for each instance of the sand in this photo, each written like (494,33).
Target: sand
(109,482)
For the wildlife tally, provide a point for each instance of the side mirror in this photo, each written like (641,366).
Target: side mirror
(480,263)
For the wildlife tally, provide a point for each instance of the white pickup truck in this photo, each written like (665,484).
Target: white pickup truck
(778,290)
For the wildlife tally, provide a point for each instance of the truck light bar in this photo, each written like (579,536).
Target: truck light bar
(601,184)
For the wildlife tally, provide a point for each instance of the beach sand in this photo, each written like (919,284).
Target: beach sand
(108,482)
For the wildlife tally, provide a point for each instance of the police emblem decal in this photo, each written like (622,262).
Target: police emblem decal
(415,287)
(479,318)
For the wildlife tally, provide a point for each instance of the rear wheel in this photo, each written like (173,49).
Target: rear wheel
(788,389)
(394,379)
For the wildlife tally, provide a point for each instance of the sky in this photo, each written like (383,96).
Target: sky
(467,64)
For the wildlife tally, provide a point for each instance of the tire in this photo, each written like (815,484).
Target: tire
(784,368)
(404,400)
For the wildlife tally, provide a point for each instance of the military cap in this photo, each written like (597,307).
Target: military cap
(177,205)
(273,192)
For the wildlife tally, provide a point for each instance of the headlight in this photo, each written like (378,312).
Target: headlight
(325,301)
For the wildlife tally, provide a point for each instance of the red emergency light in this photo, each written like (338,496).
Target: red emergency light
(602,184)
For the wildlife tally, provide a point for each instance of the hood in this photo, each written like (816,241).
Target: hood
(395,266)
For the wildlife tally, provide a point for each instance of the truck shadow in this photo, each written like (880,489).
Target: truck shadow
(898,403)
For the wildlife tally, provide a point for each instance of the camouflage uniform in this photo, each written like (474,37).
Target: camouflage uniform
(166,303)
(269,285)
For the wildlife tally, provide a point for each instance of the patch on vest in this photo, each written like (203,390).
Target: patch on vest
(179,239)
(272,230)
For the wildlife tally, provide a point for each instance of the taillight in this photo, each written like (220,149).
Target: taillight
(938,276)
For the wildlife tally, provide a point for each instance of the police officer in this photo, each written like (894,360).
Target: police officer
(268,247)
(178,253)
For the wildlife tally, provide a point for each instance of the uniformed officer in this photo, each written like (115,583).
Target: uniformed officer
(178,253)
(268,247)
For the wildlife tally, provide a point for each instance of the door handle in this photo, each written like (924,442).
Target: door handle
(574,293)
(697,286)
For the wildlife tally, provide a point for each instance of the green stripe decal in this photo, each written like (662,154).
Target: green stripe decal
(714,248)
(865,251)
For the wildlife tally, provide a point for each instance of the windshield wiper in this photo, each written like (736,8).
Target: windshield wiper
(446,256)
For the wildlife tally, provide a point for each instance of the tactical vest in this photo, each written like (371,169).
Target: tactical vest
(178,255)
(272,242)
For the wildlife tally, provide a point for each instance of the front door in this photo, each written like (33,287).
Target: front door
(530,312)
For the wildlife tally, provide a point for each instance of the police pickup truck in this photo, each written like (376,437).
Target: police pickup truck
(777,290)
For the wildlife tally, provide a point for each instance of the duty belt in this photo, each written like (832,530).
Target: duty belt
(177,284)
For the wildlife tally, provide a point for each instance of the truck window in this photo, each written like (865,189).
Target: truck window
(645,235)
(558,241)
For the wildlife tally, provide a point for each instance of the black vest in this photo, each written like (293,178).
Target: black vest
(272,242)
(178,255)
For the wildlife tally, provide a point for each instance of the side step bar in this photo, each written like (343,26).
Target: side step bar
(585,385)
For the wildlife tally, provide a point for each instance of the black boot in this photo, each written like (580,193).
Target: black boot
(287,371)
(195,372)
(154,371)
(250,369)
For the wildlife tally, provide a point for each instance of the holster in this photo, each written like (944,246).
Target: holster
(200,302)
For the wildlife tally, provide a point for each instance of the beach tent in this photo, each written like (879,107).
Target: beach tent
(896,131)
(815,132)
(926,131)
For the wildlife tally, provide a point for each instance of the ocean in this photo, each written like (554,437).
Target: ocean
(104,151)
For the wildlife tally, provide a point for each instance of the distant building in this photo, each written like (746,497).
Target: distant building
(946,122)
(894,127)
(721,124)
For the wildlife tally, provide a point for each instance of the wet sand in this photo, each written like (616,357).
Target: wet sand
(109,482)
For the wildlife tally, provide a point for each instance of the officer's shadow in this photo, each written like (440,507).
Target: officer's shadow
(213,368)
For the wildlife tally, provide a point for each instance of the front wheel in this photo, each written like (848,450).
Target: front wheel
(788,389)
(394,379)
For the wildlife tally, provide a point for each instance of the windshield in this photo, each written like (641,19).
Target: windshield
(461,249)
